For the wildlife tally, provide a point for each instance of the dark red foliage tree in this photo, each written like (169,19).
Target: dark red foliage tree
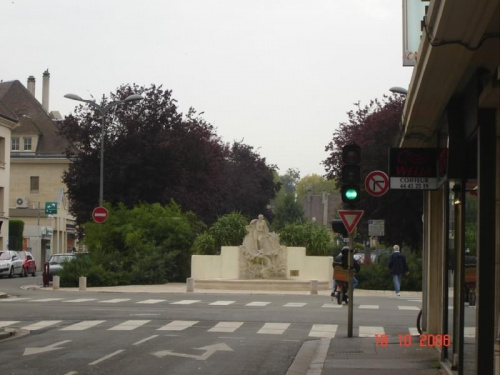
(375,128)
(155,154)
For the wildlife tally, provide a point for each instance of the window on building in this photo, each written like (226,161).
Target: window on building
(27,144)
(34,184)
(14,144)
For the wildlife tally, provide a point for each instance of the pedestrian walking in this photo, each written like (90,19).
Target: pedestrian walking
(398,267)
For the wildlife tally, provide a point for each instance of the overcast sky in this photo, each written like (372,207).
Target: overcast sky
(278,74)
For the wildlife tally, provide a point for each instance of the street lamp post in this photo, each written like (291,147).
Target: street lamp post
(103,110)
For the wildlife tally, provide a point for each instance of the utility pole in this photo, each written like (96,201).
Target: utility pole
(350,291)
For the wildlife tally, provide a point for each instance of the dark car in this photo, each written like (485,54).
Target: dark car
(56,263)
(29,265)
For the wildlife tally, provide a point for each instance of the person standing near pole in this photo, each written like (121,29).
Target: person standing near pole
(398,267)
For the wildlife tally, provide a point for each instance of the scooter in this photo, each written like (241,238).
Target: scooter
(341,292)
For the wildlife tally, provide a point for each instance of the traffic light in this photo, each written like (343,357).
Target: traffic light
(339,227)
(351,173)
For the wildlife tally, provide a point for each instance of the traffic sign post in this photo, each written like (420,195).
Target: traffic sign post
(377,183)
(350,218)
(100,215)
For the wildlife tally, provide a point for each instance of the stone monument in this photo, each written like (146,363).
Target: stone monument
(262,255)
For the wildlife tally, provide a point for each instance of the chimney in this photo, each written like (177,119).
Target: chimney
(31,85)
(45,91)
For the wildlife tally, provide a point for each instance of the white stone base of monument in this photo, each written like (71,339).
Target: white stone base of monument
(56,282)
(82,283)
(277,285)
(314,286)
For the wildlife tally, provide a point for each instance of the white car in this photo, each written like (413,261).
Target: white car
(10,263)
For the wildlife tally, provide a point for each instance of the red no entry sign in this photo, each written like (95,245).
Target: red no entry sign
(377,183)
(100,215)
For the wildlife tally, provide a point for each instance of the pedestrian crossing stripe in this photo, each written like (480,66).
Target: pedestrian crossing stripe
(129,325)
(83,325)
(317,330)
(178,325)
(274,328)
(258,304)
(222,303)
(151,301)
(191,302)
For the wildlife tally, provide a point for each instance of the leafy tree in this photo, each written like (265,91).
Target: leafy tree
(16,229)
(229,230)
(288,211)
(375,128)
(290,180)
(155,154)
(314,237)
(316,184)
(147,244)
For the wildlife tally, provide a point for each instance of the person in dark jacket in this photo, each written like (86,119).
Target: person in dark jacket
(342,259)
(398,267)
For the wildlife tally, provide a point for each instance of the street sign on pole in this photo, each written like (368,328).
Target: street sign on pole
(100,215)
(50,208)
(376,228)
(377,183)
(350,218)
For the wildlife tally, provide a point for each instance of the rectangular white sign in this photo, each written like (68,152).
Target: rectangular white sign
(414,183)
(413,13)
(376,228)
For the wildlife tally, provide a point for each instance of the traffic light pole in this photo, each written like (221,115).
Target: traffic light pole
(350,288)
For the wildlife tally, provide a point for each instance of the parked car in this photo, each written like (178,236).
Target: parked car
(10,263)
(29,265)
(56,263)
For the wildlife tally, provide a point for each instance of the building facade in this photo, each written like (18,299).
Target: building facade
(8,121)
(453,105)
(38,162)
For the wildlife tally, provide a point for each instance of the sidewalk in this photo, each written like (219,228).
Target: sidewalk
(338,356)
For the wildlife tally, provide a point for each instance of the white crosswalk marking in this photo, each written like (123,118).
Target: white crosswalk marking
(115,300)
(82,325)
(222,303)
(7,323)
(413,331)
(274,328)
(295,304)
(40,325)
(46,300)
(129,325)
(372,307)
(152,301)
(413,308)
(323,330)
(258,304)
(178,325)
(365,331)
(186,302)
(80,300)
(226,327)
(332,305)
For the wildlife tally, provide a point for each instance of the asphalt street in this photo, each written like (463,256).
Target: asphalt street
(74,332)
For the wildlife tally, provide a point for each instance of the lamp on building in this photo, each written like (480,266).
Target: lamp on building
(398,90)
(103,110)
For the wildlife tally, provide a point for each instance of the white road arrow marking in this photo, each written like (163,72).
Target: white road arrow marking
(209,350)
(49,348)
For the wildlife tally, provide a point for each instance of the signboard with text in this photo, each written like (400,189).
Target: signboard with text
(413,168)
(376,228)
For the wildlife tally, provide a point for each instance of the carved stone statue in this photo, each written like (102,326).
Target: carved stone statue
(263,256)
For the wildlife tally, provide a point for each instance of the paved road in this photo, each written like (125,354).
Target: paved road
(73,332)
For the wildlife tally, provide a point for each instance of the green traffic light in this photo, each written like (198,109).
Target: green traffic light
(351,194)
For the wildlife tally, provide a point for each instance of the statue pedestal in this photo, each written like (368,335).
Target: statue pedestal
(223,271)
